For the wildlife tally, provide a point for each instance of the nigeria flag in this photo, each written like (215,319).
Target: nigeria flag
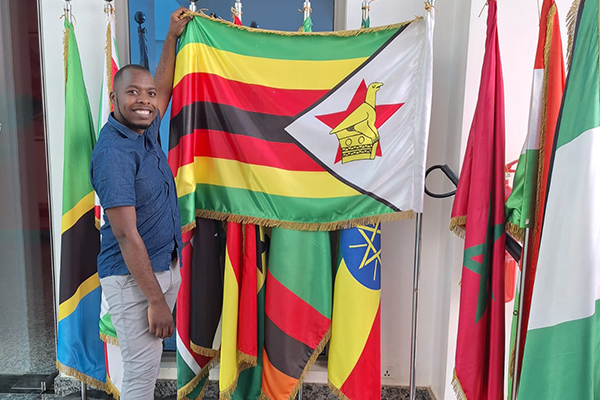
(562,351)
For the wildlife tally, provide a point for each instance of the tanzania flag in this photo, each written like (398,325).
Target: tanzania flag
(354,366)
(478,213)
(297,309)
(562,351)
(199,303)
(301,130)
(80,352)
(525,206)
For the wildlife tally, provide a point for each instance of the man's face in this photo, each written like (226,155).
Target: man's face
(135,100)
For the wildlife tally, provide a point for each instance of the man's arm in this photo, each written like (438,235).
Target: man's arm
(166,65)
(123,223)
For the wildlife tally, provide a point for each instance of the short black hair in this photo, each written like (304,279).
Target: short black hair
(129,67)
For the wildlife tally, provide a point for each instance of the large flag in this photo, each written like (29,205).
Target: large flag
(354,366)
(297,309)
(80,352)
(478,213)
(562,350)
(199,303)
(300,130)
(525,206)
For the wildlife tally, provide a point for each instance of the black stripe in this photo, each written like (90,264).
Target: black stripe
(221,117)
(285,353)
(206,295)
(203,115)
(78,258)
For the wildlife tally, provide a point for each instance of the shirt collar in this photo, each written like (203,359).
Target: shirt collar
(151,132)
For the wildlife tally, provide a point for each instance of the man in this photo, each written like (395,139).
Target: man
(138,264)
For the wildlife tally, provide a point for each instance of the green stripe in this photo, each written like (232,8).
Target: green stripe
(270,45)
(106,326)
(80,137)
(185,375)
(561,362)
(580,111)
(301,261)
(307,24)
(299,210)
(520,204)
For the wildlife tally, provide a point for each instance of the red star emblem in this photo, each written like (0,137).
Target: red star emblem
(383,111)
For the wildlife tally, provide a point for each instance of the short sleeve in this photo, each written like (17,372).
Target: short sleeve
(113,174)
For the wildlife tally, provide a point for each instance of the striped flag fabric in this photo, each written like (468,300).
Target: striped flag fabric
(282,141)
(249,384)
(298,309)
(199,304)
(80,352)
(563,341)
(525,206)
(478,214)
(354,367)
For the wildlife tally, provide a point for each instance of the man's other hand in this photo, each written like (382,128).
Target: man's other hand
(177,23)
(160,320)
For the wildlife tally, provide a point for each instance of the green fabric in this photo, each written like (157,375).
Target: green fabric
(79,139)
(301,261)
(271,45)
(520,203)
(307,24)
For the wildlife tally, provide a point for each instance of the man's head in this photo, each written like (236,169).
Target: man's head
(134,97)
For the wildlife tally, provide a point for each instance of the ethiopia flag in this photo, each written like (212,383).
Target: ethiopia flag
(525,206)
(562,350)
(478,213)
(199,304)
(297,309)
(354,366)
(311,131)
(80,352)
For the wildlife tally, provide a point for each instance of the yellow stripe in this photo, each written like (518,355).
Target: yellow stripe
(281,74)
(354,311)
(72,216)
(67,307)
(259,178)
(228,370)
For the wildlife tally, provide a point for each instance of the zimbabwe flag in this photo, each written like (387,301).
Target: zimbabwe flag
(310,131)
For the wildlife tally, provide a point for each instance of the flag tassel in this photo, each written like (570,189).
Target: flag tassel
(457,226)
(458,390)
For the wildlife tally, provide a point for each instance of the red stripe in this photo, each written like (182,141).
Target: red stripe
(293,315)
(256,98)
(364,382)
(248,312)
(246,149)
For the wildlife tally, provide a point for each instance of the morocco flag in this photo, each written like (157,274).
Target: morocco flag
(478,213)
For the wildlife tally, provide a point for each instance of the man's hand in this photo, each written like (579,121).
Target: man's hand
(160,320)
(177,23)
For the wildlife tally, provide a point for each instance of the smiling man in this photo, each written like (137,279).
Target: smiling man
(138,264)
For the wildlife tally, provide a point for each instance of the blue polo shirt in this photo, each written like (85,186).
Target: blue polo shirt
(129,169)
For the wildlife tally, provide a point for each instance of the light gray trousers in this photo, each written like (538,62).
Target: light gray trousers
(141,351)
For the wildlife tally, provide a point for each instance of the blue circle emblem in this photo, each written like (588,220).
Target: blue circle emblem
(361,250)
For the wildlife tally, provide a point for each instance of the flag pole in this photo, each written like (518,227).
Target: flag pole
(306,9)
(415,306)
(238,8)
(68,11)
(193,5)
(522,280)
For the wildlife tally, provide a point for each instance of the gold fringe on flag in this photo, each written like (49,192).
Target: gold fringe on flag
(458,390)
(109,339)
(309,364)
(108,55)
(515,231)
(66,53)
(112,389)
(511,363)
(336,391)
(191,385)
(245,361)
(203,351)
(88,380)
(571,26)
(457,226)
(349,33)
(300,226)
